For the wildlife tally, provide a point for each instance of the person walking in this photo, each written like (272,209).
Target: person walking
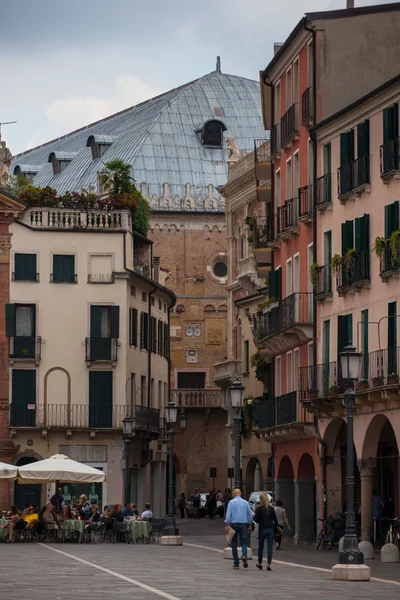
(182,505)
(196,503)
(212,504)
(240,518)
(266,518)
(282,519)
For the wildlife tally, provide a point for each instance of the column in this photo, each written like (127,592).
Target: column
(366,467)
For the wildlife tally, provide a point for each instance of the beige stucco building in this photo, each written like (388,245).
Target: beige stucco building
(88,345)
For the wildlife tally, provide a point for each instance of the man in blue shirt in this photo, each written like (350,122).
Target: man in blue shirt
(240,518)
(127,511)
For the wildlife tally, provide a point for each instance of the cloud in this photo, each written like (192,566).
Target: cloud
(67,114)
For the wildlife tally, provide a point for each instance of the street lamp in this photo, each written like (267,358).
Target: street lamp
(182,421)
(349,362)
(127,427)
(171,414)
(236,390)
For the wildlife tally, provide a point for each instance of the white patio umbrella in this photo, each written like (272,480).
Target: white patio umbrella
(8,472)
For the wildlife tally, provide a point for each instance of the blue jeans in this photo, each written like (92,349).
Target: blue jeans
(269,535)
(241,532)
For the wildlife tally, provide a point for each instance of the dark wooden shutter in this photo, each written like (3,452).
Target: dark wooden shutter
(114,322)
(10,320)
(144,331)
(364,322)
(358,234)
(388,221)
(23,396)
(58,267)
(69,268)
(386,125)
(25,267)
(395,121)
(153,334)
(392,337)
(279,283)
(363,138)
(272,284)
(346,147)
(166,340)
(134,327)
(95,321)
(100,399)
(160,337)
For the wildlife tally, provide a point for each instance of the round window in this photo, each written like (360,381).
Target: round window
(220,269)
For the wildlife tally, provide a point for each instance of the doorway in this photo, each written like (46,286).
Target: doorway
(192,380)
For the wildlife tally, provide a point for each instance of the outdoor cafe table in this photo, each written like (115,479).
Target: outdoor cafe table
(70,526)
(138,529)
(3,532)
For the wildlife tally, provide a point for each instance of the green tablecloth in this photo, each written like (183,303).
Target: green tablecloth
(3,532)
(138,529)
(69,526)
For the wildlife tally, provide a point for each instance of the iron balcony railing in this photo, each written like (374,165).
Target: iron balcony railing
(390,157)
(320,381)
(324,190)
(101,278)
(211,398)
(281,410)
(275,139)
(101,349)
(25,347)
(262,150)
(295,309)
(288,215)
(63,278)
(264,231)
(389,261)
(290,124)
(354,272)
(24,276)
(306,106)
(324,281)
(354,175)
(84,416)
(306,201)
(380,368)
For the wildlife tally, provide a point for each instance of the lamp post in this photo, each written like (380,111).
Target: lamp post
(172,414)
(236,390)
(351,560)
(127,427)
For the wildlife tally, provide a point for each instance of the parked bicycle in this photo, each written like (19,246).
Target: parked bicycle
(326,536)
(392,534)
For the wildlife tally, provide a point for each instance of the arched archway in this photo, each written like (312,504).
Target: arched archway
(305,500)
(24,493)
(284,489)
(58,390)
(254,476)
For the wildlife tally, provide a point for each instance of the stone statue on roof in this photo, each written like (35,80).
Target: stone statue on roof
(232,149)
(5,162)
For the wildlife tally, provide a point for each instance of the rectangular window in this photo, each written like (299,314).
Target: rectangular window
(296,370)
(63,269)
(296,174)
(246,366)
(159,395)
(296,82)
(153,334)
(391,123)
(21,327)
(100,399)
(25,267)
(104,331)
(143,390)
(275,284)
(326,192)
(392,218)
(326,345)
(160,337)
(144,331)
(192,380)
(144,297)
(345,332)
(166,341)
(289,180)
(289,277)
(133,327)
(152,392)
(23,398)
(347,147)
(363,138)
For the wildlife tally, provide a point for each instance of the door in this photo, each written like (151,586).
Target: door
(23,492)
(192,380)
(392,338)
(100,399)
(23,398)
(296,286)
(326,341)
(104,327)
(328,261)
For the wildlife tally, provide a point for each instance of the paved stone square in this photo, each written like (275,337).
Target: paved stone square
(107,571)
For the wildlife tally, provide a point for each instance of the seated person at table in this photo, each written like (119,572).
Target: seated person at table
(106,511)
(127,510)
(116,514)
(20,523)
(26,508)
(134,510)
(85,511)
(147,514)
(49,517)
(95,520)
(66,512)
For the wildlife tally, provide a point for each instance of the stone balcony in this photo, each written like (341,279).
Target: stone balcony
(197,398)
(225,371)
(73,220)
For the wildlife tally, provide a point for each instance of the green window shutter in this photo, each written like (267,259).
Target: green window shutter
(394,121)
(130,327)
(349,329)
(365,344)
(25,267)
(64,268)
(144,331)
(95,321)
(272,284)
(69,268)
(386,125)
(396,216)
(114,322)
(279,283)
(388,221)
(160,337)
(344,241)
(134,327)
(23,393)
(166,341)
(153,334)
(344,154)
(10,320)
(363,138)
(358,231)
(58,267)
(350,234)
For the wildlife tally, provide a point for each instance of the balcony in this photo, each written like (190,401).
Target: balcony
(101,278)
(285,326)
(146,421)
(262,155)
(101,349)
(290,126)
(263,239)
(275,142)
(201,398)
(226,370)
(354,178)
(63,278)
(288,219)
(249,273)
(283,419)
(380,372)
(324,192)
(306,204)
(323,288)
(389,264)
(70,219)
(320,381)
(354,275)
(390,160)
(25,348)
(307,107)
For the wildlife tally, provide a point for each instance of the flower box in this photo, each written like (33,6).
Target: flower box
(377,381)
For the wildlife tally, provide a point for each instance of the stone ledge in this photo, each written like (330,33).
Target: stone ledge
(351,573)
(171,540)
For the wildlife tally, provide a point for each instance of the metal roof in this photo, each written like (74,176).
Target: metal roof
(158,138)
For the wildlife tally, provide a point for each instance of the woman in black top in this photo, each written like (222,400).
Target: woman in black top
(267,522)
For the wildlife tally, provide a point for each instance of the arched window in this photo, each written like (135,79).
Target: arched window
(180,309)
(211,133)
(209,308)
(223,308)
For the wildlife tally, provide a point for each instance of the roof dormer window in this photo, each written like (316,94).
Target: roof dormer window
(27,171)
(99,144)
(60,160)
(211,133)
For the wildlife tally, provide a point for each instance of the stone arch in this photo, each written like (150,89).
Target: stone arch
(373,434)
(284,489)
(254,476)
(23,492)
(306,469)
(331,433)
(46,416)
(285,468)
(173,228)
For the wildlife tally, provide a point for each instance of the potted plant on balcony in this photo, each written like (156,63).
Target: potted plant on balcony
(250,238)
(393,379)
(394,243)
(334,390)
(256,360)
(379,246)
(249,221)
(377,381)
(315,269)
(24,352)
(349,259)
(336,264)
(311,393)
(363,384)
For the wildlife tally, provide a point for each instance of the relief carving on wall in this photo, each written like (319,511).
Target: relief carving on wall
(215,329)
(193,329)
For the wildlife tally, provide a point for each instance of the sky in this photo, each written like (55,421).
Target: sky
(67,64)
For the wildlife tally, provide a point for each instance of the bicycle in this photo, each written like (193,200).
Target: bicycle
(326,536)
(392,535)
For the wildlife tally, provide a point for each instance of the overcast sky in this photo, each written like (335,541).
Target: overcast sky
(67,64)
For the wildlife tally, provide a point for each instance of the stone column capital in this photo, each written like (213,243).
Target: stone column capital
(366,466)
